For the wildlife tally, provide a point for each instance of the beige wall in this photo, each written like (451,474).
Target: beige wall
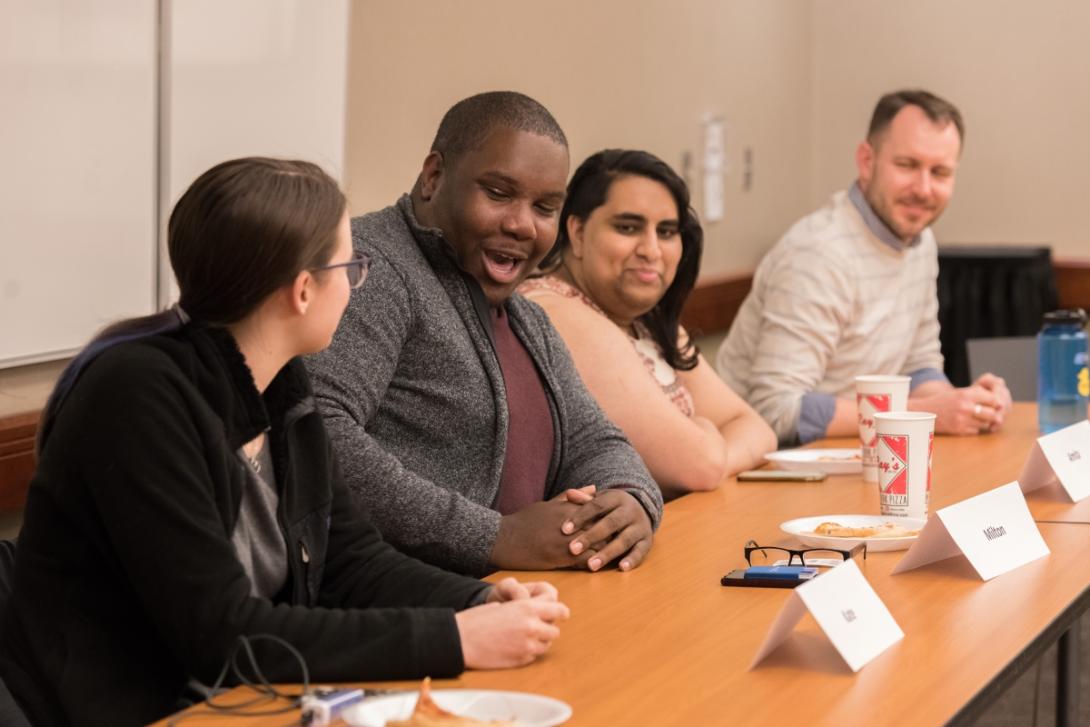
(1019,71)
(614,72)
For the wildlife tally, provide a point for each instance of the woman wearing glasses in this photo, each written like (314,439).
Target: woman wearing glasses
(186,495)
(625,260)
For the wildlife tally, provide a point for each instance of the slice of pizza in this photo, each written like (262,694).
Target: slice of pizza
(429,714)
(885,530)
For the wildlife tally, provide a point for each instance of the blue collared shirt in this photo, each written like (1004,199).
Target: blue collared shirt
(875,224)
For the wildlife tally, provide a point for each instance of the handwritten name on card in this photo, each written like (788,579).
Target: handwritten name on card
(1063,457)
(993,530)
(846,608)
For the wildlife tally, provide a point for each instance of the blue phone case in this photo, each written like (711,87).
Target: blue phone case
(786,572)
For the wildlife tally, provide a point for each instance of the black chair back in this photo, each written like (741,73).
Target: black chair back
(10,713)
(990,292)
(7,569)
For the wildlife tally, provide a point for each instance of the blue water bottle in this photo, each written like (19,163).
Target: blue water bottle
(1063,381)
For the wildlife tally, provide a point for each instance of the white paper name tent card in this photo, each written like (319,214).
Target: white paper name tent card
(1064,457)
(993,530)
(846,608)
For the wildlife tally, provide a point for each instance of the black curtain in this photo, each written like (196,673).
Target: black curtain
(990,292)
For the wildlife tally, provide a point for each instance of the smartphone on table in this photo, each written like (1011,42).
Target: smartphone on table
(769,576)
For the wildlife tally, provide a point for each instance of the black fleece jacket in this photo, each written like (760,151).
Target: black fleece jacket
(126,581)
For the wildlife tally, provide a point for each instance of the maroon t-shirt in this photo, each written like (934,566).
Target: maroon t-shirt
(530,434)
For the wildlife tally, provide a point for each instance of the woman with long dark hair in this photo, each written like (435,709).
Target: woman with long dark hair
(186,494)
(625,260)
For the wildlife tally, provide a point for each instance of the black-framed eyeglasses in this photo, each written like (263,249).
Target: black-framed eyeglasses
(768,554)
(356,268)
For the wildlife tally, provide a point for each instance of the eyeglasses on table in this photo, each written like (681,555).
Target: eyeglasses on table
(768,554)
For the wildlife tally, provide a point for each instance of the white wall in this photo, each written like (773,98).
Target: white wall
(252,78)
(77,193)
(91,131)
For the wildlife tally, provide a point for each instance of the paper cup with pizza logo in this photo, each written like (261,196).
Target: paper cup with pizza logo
(905,442)
(874,394)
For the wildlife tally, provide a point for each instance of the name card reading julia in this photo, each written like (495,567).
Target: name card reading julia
(1064,457)
(993,530)
(846,608)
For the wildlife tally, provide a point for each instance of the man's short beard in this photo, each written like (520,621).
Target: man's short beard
(885,215)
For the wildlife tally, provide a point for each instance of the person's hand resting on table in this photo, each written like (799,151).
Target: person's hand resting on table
(609,525)
(510,589)
(515,625)
(982,407)
(532,539)
(606,526)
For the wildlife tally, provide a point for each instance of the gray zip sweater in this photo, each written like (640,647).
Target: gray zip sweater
(413,398)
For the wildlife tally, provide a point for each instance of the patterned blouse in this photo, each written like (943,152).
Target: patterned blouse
(657,367)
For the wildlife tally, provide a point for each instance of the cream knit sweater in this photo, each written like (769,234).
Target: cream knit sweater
(831,301)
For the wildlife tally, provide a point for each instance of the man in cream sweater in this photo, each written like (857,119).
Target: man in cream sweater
(850,290)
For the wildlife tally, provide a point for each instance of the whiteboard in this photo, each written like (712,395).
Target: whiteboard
(252,78)
(78,189)
(99,139)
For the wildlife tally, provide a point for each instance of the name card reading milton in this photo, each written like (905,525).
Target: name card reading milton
(846,608)
(1064,457)
(994,530)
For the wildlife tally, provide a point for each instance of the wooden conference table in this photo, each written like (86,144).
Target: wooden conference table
(666,644)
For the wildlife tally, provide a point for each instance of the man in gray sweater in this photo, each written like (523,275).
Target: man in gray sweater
(453,405)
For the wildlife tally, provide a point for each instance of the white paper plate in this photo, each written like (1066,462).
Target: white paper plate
(829,461)
(529,710)
(803,529)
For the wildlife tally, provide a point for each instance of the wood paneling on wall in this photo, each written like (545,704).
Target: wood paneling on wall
(714,303)
(17,458)
(1073,283)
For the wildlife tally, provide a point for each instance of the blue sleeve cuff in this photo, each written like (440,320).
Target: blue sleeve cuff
(814,416)
(922,376)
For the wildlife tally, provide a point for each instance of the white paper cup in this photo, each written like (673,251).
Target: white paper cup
(875,394)
(905,443)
